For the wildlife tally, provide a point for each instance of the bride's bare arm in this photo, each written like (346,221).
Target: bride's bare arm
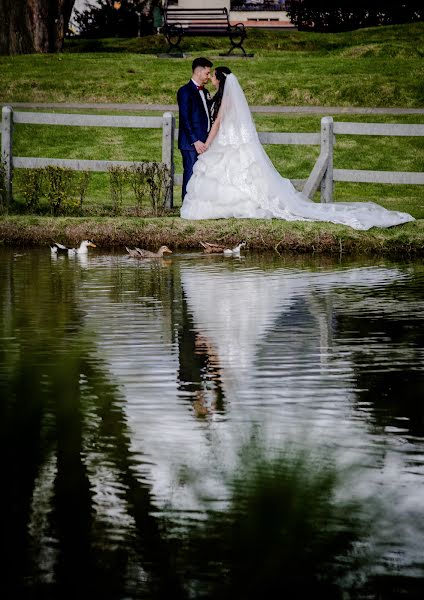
(214,130)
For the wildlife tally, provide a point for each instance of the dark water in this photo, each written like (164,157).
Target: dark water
(131,393)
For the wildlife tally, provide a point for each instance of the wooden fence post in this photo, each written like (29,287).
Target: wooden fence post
(6,150)
(327,139)
(168,152)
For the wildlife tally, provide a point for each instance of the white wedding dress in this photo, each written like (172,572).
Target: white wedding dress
(235,178)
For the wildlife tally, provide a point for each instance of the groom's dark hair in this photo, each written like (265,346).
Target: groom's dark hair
(201,62)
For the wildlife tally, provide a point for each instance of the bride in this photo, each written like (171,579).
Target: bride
(235,178)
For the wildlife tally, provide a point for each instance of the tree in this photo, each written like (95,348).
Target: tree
(344,15)
(28,26)
(116,18)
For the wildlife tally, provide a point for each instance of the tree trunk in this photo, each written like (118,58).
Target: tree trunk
(33,25)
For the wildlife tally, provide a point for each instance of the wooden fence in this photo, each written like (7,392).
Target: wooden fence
(323,174)
(9,118)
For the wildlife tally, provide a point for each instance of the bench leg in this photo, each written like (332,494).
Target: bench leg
(234,46)
(173,45)
(237,35)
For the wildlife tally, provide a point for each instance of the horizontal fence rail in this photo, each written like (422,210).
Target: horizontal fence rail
(389,129)
(362,176)
(9,118)
(323,175)
(29,162)
(76,120)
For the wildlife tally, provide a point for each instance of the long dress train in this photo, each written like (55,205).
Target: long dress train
(235,178)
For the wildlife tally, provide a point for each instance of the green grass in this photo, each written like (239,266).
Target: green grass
(379,67)
(372,67)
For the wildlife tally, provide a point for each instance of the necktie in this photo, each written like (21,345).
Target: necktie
(200,87)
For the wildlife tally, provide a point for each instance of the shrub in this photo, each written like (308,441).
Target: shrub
(118,177)
(151,181)
(335,15)
(32,187)
(74,202)
(59,182)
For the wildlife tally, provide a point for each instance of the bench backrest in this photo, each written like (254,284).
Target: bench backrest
(197,18)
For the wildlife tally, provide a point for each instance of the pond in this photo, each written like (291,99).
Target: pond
(202,426)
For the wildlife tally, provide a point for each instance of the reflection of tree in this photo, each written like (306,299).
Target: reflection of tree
(386,376)
(59,404)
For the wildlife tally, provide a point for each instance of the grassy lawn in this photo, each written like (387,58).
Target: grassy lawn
(373,67)
(380,67)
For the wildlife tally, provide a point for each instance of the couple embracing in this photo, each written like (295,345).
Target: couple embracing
(227,173)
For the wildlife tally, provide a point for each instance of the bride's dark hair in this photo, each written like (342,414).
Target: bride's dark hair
(221,74)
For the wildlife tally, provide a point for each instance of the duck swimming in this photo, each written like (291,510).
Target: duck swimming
(236,250)
(209,248)
(141,253)
(82,249)
(133,252)
(212,248)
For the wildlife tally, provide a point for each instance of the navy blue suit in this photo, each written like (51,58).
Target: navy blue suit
(192,126)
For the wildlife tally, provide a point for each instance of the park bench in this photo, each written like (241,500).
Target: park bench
(179,22)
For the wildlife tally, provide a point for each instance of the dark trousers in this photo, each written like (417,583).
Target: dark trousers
(189,158)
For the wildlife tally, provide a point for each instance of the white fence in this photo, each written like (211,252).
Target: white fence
(322,176)
(9,118)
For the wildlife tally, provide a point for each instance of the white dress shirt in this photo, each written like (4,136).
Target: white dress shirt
(202,95)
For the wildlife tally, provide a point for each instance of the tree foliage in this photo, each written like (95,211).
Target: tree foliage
(344,15)
(110,18)
(28,26)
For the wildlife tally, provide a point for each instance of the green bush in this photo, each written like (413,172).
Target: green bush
(32,181)
(150,183)
(64,189)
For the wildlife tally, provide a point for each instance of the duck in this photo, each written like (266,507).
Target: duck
(212,248)
(236,250)
(141,253)
(82,249)
(209,248)
(133,252)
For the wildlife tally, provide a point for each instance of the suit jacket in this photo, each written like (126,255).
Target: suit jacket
(193,121)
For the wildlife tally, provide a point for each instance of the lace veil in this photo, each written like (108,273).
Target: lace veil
(237,126)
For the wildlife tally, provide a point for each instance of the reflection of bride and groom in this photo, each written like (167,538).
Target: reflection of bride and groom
(235,344)
(227,173)
(236,322)
(227,335)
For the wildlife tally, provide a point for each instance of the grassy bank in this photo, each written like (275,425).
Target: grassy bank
(276,236)
(373,67)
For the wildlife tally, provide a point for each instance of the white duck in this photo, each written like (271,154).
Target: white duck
(236,250)
(82,249)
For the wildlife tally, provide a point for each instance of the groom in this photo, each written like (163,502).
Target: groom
(194,116)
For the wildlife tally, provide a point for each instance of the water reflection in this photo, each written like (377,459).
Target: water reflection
(131,385)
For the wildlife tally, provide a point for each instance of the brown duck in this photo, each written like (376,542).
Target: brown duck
(141,253)
(217,249)
(212,248)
